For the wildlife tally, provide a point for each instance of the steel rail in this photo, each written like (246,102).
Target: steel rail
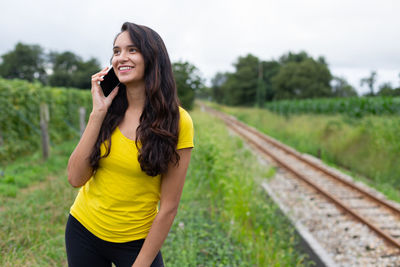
(309,162)
(338,202)
(320,168)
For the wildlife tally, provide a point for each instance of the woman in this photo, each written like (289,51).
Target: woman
(133,154)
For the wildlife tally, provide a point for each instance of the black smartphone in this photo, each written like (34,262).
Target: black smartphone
(110,82)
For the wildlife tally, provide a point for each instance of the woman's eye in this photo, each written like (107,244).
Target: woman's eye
(133,50)
(116,52)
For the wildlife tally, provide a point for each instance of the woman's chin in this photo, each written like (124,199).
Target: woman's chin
(131,81)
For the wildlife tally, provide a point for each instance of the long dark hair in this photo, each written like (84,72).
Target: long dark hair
(159,121)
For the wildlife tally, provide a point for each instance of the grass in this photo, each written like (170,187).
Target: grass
(32,219)
(224,219)
(32,168)
(366,148)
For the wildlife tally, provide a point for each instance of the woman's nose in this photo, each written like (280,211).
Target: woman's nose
(123,56)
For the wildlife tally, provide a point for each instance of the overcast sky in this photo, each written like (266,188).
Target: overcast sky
(354,36)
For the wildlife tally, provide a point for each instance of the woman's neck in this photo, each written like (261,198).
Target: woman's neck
(136,96)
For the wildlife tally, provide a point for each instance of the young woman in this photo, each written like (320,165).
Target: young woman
(133,154)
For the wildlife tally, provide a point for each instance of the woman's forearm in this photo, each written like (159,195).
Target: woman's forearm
(171,190)
(79,168)
(155,239)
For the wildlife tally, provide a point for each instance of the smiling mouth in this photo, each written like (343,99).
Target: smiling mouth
(125,69)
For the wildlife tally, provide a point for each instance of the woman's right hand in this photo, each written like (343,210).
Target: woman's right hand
(100,102)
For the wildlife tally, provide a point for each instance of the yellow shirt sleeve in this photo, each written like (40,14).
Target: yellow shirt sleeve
(186,130)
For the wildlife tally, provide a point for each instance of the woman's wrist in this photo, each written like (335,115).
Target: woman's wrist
(97,115)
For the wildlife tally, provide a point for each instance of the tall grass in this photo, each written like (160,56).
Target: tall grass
(224,211)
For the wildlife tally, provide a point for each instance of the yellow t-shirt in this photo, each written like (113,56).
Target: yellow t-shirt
(120,201)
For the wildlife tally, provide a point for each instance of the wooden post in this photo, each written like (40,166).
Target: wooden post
(1,143)
(260,95)
(44,120)
(82,119)
(1,139)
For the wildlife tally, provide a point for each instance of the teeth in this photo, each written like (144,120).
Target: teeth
(125,68)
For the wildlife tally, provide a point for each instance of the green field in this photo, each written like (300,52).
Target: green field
(368,148)
(224,218)
(355,107)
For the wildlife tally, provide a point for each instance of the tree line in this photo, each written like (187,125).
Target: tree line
(293,76)
(66,69)
(253,81)
(32,63)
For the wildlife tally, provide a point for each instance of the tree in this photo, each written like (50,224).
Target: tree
(254,81)
(270,69)
(370,81)
(69,70)
(399,78)
(293,57)
(244,81)
(260,99)
(63,66)
(386,89)
(84,73)
(217,83)
(340,88)
(30,62)
(239,87)
(24,62)
(204,92)
(301,77)
(188,81)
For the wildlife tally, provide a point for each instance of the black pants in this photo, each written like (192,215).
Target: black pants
(86,250)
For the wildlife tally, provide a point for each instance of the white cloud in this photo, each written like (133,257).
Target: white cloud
(354,36)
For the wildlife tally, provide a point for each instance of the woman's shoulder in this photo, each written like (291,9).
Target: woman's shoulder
(184,116)
(186,130)
(181,109)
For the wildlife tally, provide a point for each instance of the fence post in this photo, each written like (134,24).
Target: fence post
(1,144)
(82,119)
(1,139)
(44,120)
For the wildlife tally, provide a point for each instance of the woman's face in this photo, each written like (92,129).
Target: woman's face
(127,61)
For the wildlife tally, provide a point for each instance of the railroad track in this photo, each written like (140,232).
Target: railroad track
(379,215)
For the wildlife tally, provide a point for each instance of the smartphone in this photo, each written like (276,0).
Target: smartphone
(110,81)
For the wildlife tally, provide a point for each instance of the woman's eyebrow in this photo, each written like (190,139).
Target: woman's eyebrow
(132,45)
